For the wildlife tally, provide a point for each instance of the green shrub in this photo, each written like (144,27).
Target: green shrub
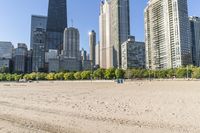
(128,74)
(99,73)
(170,73)
(196,73)
(110,73)
(41,76)
(9,77)
(2,77)
(119,73)
(161,74)
(59,76)
(85,75)
(181,72)
(50,76)
(17,77)
(69,76)
(77,76)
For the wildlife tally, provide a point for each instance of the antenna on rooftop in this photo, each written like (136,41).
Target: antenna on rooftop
(72,21)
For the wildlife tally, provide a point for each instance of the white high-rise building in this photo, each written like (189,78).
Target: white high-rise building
(195,39)
(97,49)
(167,34)
(114,21)
(106,49)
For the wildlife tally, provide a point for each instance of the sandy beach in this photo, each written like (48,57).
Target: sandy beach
(100,107)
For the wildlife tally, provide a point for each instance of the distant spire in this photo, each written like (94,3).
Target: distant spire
(72,21)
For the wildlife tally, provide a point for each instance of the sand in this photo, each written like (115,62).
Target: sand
(100,107)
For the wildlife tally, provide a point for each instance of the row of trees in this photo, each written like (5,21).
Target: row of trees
(108,74)
(84,75)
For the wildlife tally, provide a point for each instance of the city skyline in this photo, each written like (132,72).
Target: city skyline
(16,34)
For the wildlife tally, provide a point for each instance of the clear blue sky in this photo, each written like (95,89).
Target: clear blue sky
(15,17)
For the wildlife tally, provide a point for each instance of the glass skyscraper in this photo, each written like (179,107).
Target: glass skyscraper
(56,24)
(37,21)
(195,39)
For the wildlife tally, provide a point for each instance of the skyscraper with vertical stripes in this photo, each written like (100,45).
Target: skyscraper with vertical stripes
(114,27)
(56,24)
(167,34)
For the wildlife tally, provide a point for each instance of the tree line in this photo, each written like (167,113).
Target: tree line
(108,74)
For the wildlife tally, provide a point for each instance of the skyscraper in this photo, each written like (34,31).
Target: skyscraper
(70,57)
(83,54)
(114,31)
(71,45)
(29,61)
(97,56)
(38,57)
(37,21)
(120,27)
(6,50)
(167,34)
(106,49)
(6,54)
(195,39)
(92,44)
(20,58)
(56,23)
(133,54)
(38,39)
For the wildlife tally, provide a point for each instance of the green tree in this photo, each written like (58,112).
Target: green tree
(110,73)
(69,76)
(2,77)
(41,76)
(59,76)
(146,73)
(196,73)
(161,74)
(182,72)
(119,73)
(4,69)
(99,73)
(170,73)
(86,75)
(77,75)
(128,74)
(9,77)
(50,76)
(17,77)
(33,76)
(26,76)
(138,73)
(135,73)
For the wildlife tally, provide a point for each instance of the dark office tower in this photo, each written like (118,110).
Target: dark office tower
(56,24)
(29,61)
(38,50)
(92,43)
